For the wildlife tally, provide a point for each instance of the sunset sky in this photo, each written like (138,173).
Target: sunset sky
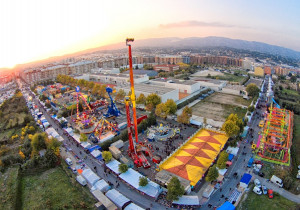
(37,29)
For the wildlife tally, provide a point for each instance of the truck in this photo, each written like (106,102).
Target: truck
(276,180)
(250,162)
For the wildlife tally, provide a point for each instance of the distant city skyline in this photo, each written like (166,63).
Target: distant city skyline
(34,29)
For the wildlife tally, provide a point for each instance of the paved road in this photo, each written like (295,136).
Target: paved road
(139,199)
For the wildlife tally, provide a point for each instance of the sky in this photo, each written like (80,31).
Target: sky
(36,29)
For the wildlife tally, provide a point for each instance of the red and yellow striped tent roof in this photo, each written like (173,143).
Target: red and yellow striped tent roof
(193,159)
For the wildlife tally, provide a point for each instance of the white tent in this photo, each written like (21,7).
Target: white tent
(85,145)
(76,137)
(114,166)
(187,200)
(232,150)
(70,131)
(96,153)
(60,138)
(116,197)
(132,177)
(133,206)
(101,185)
(90,176)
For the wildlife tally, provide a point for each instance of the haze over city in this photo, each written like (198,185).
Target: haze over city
(33,30)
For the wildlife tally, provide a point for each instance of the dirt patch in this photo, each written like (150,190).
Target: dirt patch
(219,106)
(206,73)
(222,98)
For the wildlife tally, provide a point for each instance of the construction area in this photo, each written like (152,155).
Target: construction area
(219,106)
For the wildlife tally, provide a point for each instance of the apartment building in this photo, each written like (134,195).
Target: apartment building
(216,60)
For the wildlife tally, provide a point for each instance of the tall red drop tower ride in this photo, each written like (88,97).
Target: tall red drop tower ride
(131,99)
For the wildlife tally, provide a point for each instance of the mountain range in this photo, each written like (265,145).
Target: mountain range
(199,42)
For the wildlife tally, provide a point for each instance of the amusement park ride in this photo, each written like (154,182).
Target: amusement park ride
(275,142)
(112,108)
(136,149)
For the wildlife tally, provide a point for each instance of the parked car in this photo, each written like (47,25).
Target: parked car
(257,183)
(257,190)
(276,180)
(270,193)
(264,189)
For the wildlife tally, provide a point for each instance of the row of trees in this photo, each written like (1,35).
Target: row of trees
(95,88)
(164,109)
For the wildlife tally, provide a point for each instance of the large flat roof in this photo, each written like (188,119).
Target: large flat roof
(176,81)
(148,88)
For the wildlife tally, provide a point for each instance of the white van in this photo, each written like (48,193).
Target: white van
(276,180)
(257,190)
(81,180)
(69,161)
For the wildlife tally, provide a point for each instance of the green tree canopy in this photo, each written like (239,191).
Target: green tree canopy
(38,141)
(223,158)
(230,128)
(293,78)
(252,90)
(141,99)
(143,181)
(120,95)
(153,99)
(212,174)
(171,106)
(175,189)
(107,156)
(83,137)
(251,108)
(123,168)
(185,116)
(161,110)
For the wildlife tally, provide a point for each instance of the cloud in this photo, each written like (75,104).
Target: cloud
(195,23)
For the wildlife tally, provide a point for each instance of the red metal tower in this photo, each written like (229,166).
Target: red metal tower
(128,99)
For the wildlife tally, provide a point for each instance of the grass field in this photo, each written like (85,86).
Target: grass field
(8,188)
(296,135)
(231,77)
(262,202)
(290,92)
(219,106)
(52,189)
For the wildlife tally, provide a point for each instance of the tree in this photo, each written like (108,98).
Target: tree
(50,158)
(141,99)
(83,137)
(230,128)
(143,181)
(161,110)
(252,90)
(171,106)
(251,108)
(38,141)
(153,99)
(223,157)
(120,95)
(123,168)
(175,189)
(185,116)
(212,174)
(293,78)
(107,156)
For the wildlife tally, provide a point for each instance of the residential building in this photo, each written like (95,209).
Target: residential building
(166,67)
